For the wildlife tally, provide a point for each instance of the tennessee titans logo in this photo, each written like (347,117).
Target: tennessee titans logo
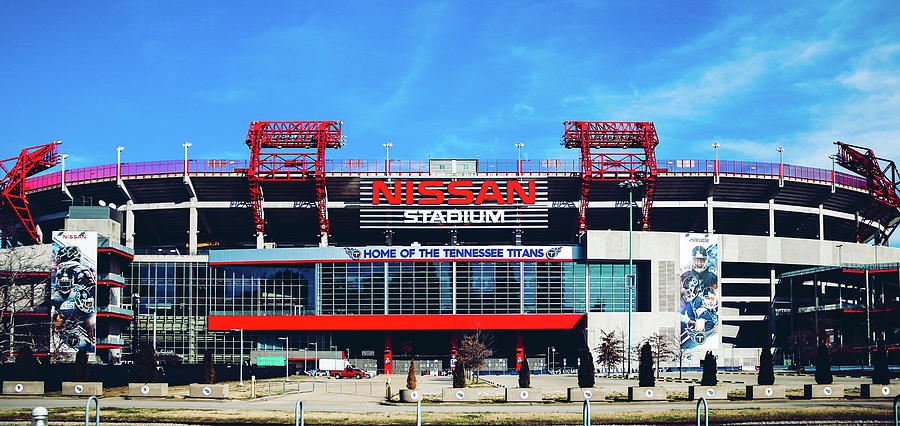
(552,253)
(354,253)
(699,338)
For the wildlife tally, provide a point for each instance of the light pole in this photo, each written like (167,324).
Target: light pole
(387,157)
(629,282)
(833,158)
(186,145)
(241,383)
(62,160)
(780,150)
(840,287)
(286,339)
(519,145)
(716,146)
(552,357)
(119,150)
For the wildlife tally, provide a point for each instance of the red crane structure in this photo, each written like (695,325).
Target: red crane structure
(13,203)
(614,166)
(881,180)
(300,156)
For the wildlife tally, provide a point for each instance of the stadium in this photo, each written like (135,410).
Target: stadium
(381,260)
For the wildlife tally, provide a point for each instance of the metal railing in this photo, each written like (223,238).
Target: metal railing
(705,411)
(87,411)
(298,414)
(274,387)
(422,167)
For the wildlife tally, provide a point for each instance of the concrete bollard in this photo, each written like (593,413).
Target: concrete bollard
(39,416)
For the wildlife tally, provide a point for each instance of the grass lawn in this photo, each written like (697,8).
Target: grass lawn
(247,417)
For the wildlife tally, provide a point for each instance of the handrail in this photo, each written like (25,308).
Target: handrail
(419,412)
(87,411)
(423,167)
(298,414)
(705,411)
(896,418)
(586,413)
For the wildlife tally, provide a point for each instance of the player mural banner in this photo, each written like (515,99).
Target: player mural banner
(700,292)
(73,290)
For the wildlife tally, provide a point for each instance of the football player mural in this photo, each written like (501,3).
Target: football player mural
(73,291)
(700,292)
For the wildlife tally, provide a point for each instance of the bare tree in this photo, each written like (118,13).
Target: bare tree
(663,347)
(474,349)
(680,353)
(24,298)
(609,353)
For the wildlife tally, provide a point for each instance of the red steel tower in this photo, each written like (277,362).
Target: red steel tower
(881,180)
(614,166)
(290,151)
(13,203)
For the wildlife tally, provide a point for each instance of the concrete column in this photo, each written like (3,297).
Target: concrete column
(709,215)
(260,240)
(520,349)
(821,222)
(771,217)
(772,282)
(454,347)
(323,240)
(129,225)
(388,358)
(192,227)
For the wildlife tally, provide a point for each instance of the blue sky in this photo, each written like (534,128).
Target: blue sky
(450,78)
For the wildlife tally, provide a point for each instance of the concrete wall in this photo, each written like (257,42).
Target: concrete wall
(655,246)
(767,252)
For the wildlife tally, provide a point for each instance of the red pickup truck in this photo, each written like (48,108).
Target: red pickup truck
(350,371)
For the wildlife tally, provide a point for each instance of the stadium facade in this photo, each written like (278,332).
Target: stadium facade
(384,259)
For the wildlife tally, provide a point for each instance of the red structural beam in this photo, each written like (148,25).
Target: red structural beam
(397,322)
(13,204)
(882,180)
(614,166)
(300,156)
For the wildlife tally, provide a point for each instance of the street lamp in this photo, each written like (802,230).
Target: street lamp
(716,146)
(186,145)
(629,282)
(552,357)
(387,156)
(62,160)
(286,339)
(780,150)
(519,145)
(241,383)
(119,150)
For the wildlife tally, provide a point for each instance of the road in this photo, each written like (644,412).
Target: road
(321,400)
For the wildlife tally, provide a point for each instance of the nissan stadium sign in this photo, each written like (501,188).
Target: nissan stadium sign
(453,203)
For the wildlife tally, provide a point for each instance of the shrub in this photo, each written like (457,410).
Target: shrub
(766,369)
(146,364)
(645,370)
(209,371)
(709,370)
(823,366)
(25,363)
(524,373)
(459,375)
(82,373)
(880,373)
(586,369)
(411,376)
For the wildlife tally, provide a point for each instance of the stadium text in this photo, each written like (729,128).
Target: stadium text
(434,192)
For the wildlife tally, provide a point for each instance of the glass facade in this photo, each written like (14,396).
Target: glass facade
(175,298)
